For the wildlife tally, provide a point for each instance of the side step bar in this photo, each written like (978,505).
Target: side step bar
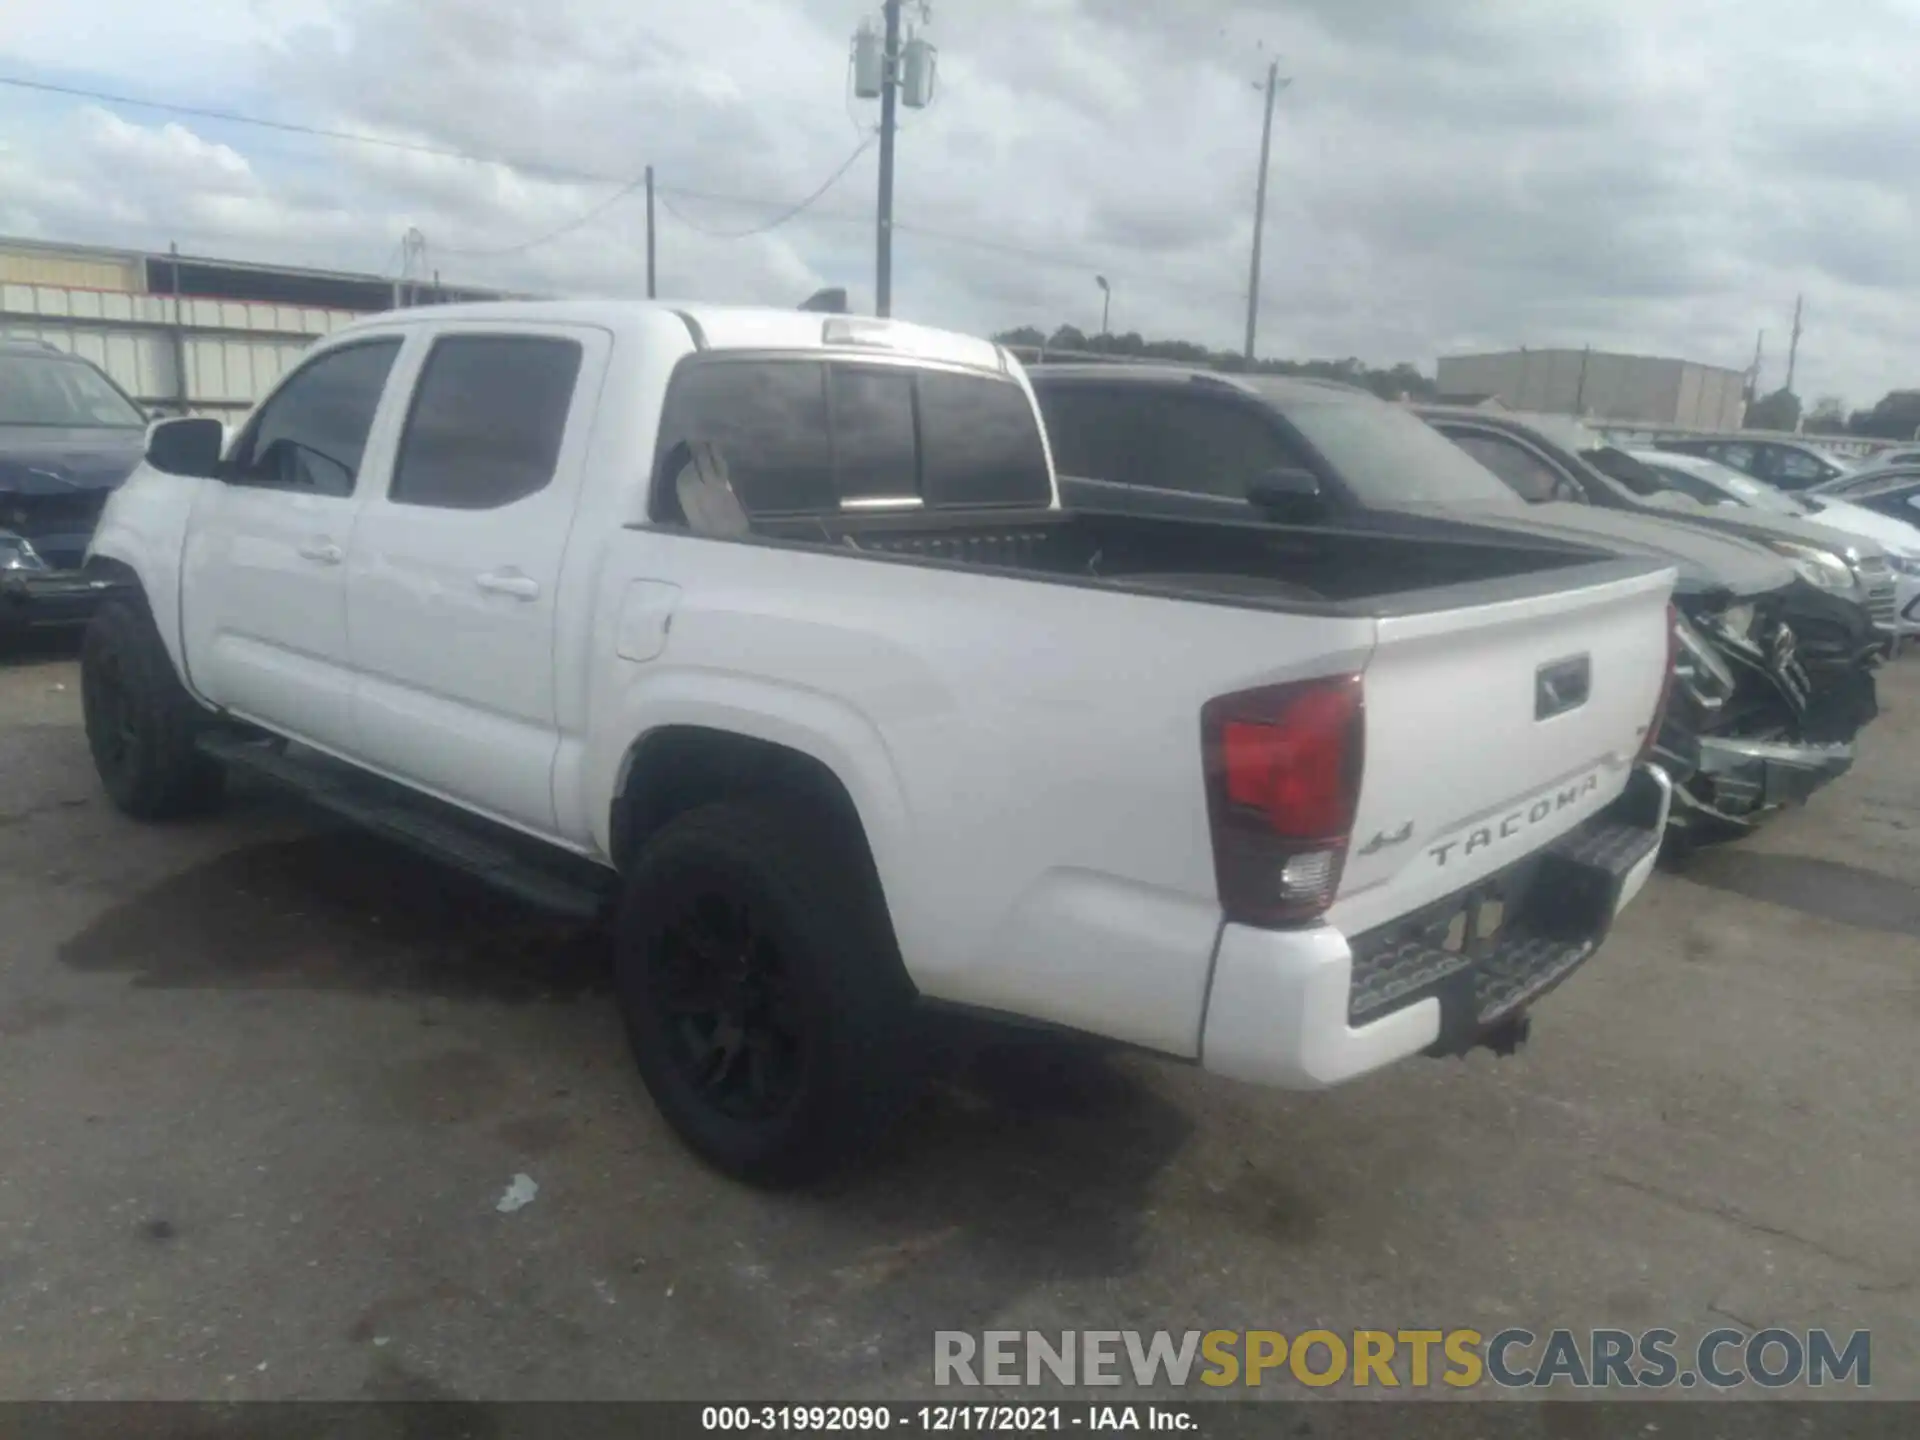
(517,865)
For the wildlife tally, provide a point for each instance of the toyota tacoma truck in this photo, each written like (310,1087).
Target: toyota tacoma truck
(765,634)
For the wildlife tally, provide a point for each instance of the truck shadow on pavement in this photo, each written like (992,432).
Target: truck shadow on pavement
(1029,1162)
(339,910)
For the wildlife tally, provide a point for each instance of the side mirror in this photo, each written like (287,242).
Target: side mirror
(1289,490)
(190,446)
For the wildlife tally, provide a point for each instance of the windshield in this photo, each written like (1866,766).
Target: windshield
(1709,482)
(1389,456)
(50,390)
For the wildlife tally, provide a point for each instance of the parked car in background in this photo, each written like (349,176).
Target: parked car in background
(1896,494)
(769,627)
(1867,477)
(1788,464)
(1897,457)
(68,437)
(1853,569)
(1711,483)
(1749,729)
(1779,731)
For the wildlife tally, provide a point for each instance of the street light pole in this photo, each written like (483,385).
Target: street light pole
(1106,300)
(1273,87)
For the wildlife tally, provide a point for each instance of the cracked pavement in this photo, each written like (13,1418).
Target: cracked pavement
(263,1083)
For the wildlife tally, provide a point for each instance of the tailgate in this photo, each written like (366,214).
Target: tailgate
(1493,729)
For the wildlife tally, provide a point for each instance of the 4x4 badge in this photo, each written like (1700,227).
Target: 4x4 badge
(1383,840)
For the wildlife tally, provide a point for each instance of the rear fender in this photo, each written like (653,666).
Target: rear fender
(818,726)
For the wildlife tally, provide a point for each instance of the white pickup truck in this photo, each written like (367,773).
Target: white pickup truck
(767,630)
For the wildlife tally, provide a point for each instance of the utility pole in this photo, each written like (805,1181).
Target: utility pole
(1106,300)
(183,390)
(899,75)
(1753,375)
(1793,346)
(649,232)
(889,98)
(1274,85)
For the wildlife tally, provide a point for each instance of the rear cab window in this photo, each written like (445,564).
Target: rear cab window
(809,436)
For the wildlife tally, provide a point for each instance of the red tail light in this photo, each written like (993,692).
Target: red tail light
(1283,770)
(1666,685)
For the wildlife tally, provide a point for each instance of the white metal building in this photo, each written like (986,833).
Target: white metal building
(1603,386)
(186,334)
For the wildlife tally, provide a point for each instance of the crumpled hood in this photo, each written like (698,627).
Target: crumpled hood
(1759,526)
(1705,561)
(38,460)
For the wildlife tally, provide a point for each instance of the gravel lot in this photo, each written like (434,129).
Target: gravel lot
(262,1083)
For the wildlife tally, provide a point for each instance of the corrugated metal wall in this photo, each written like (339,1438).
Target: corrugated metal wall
(93,272)
(232,351)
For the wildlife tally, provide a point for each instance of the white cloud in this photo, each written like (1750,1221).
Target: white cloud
(1489,172)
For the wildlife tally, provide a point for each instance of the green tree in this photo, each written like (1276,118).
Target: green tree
(1895,416)
(1778,411)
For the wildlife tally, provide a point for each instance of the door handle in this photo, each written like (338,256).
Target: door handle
(509,582)
(325,551)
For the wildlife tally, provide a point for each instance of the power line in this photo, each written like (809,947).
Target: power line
(563,172)
(292,128)
(785,215)
(554,234)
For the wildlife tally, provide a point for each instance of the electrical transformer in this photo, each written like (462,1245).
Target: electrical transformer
(916,73)
(866,61)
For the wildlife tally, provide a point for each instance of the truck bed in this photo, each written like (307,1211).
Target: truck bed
(1315,569)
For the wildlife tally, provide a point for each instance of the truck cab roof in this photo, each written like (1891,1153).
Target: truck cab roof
(724,327)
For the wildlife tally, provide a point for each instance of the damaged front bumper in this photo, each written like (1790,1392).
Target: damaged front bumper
(47,599)
(1765,774)
(1761,720)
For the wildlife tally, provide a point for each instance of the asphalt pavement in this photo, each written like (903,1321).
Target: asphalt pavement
(264,1084)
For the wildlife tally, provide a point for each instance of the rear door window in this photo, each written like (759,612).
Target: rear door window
(1525,473)
(980,443)
(1091,432)
(1740,456)
(1210,447)
(1792,469)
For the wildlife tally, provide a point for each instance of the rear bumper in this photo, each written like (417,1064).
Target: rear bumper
(47,599)
(1308,1009)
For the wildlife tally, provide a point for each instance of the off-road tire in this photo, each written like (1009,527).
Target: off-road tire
(811,890)
(140,721)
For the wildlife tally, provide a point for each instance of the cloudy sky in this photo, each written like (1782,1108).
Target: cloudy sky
(1447,174)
